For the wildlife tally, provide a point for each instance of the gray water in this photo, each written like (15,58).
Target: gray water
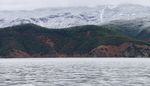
(75,72)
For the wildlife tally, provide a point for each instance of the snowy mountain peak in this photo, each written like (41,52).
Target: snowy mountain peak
(73,16)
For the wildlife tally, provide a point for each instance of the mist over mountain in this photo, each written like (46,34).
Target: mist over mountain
(74,16)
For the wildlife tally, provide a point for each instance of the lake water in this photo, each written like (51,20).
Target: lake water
(75,72)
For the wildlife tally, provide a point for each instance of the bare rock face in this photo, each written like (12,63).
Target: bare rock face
(49,42)
(123,50)
(17,53)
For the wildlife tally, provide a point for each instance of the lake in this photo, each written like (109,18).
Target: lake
(75,72)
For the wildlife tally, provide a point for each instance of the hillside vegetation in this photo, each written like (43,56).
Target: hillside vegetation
(30,40)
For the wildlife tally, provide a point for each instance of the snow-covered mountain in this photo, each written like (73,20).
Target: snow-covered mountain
(74,16)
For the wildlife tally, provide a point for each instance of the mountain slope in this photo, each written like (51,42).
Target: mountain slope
(30,40)
(144,35)
(138,28)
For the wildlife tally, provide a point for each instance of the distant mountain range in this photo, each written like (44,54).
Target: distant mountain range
(109,40)
(74,16)
(102,31)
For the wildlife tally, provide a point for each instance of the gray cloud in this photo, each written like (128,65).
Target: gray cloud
(34,4)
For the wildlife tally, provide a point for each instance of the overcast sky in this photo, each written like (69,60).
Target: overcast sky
(34,4)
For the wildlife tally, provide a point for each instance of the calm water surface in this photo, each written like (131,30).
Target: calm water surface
(75,72)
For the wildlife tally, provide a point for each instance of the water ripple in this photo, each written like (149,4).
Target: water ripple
(72,72)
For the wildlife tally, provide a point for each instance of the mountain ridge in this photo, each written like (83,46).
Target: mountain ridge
(30,40)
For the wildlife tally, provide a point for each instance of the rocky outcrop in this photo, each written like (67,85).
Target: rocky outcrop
(17,53)
(123,50)
(49,42)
